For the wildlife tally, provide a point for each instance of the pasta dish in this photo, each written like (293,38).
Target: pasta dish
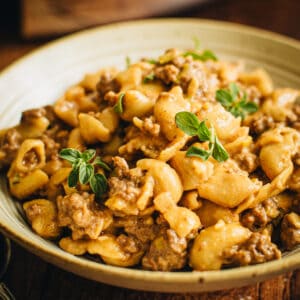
(183,162)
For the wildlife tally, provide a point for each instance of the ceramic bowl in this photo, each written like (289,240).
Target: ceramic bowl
(42,76)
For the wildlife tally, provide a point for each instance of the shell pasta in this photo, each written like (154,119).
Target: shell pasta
(184,162)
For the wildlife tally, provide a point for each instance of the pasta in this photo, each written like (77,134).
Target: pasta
(180,163)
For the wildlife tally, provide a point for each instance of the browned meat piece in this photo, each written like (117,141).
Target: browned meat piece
(129,244)
(246,160)
(58,134)
(46,111)
(50,114)
(167,252)
(30,114)
(82,215)
(294,181)
(257,249)
(127,182)
(296,111)
(167,73)
(296,159)
(261,124)
(10,144)
(107,83)
(121,167)
(290,230)
(192,69)
(143,228)
(137,142)
(296,203)
(260,216)
(41,121)
(51,147)
(111,97)
(150,126)
(124,188)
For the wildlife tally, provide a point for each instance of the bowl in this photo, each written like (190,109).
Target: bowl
(42,76)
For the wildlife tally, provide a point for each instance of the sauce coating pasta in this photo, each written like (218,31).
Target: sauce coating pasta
(137,186)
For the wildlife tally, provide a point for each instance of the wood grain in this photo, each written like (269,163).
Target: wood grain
(47,17)
(31,278)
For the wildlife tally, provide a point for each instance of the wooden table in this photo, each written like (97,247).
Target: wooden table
(31,278)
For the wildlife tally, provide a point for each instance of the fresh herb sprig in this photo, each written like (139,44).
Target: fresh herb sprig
(230,100)
(152,61)
(149,77)
(190,124)
(204,56)
(118,107)
(128,61)
(197,43)
(83,169)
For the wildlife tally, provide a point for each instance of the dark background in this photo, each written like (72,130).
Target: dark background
(31,278)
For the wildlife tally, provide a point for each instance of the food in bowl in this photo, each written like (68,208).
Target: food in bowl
(184,162)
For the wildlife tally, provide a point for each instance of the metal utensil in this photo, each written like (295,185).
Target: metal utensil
(5,252)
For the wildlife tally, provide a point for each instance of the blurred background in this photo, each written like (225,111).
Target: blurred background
(42,18)
(25,24)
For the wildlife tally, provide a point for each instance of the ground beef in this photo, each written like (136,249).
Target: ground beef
(59,135)
(296,203)
(296,112)
(178,61)
(246,160)
(50,114)
(260,216)
(260,124)
(124,188)
(150,126)
(294,181)
(143,228)
(290,231)
(127,182)
(296,123)
(33,211)
(257,249)
(177,244)
(137,142)
(167,252)
(30,159)
(296,159)
(51,147)
(129,244)
(107,83)
(30,114)
(193,69)
(81,214)
(9,147)
(167,73)
(111,97)
(121,168)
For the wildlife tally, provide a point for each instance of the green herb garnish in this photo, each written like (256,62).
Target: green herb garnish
(128,61)
(197,44)
(204,56)
(149,77)
(229,98)
(118,107)
(190,124)
(83,169)
(152,61)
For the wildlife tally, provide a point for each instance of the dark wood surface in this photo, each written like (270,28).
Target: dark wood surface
(31,278)
(48,17)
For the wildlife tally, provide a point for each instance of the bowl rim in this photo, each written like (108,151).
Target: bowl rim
(274,267)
